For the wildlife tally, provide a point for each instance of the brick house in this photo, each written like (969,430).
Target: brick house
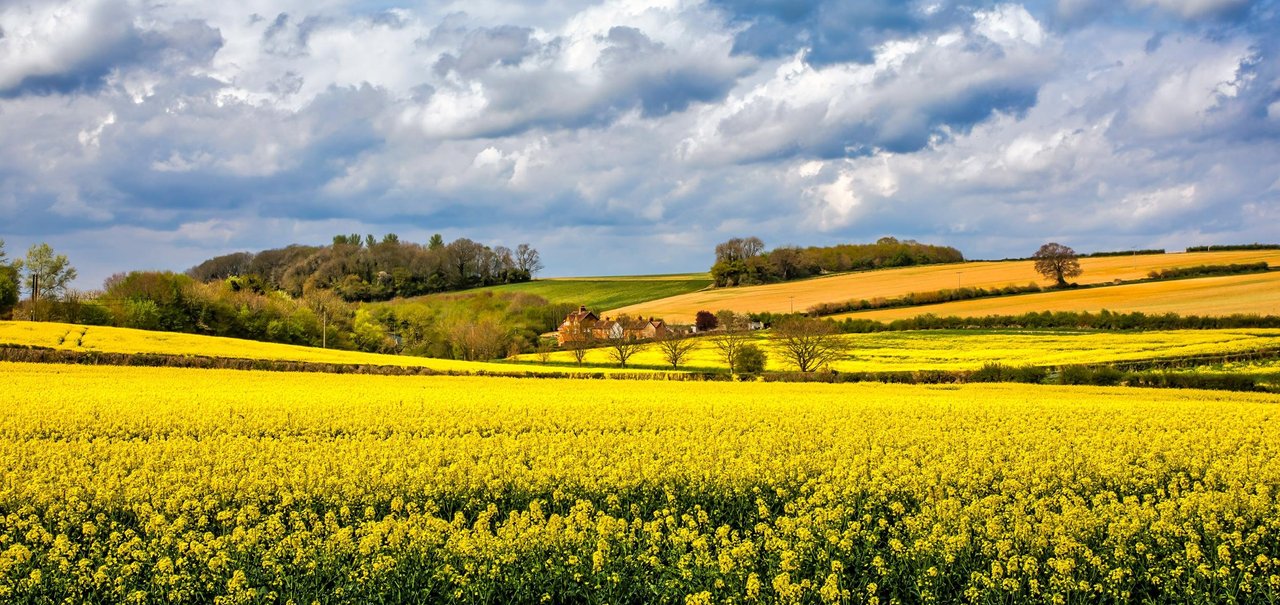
(583,322)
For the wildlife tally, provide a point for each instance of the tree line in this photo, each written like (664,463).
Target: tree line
(236,298)
(744,261)
(364,269)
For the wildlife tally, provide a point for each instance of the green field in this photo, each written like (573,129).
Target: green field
(601,293)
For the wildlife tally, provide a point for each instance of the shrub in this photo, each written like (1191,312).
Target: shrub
(749,360)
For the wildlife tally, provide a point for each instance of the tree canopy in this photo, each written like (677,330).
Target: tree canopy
(744,261)
(809,344)
(47,274)
(8,284)
(1057,262)
(366,268)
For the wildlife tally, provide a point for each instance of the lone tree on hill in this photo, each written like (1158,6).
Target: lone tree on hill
(1056,261)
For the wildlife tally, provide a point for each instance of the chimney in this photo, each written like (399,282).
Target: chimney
(582,309)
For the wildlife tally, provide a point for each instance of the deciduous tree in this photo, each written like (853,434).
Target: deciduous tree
(528,260)
(1057,262)
(733,335)
(622,341)
(750,360)
(809,344)
(8,284)
(578,337)
(675,348)
(705,321)
(47,274)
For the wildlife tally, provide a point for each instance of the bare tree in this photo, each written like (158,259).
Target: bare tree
(478,339)
(623,342)
(1058,262)
(739,249)
(543,351)
(675,348)
(578,337)
(809,344)
(528,260)
(733,335)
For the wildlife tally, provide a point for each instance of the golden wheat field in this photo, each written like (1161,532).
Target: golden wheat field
(209,486)
(1211,296)
(971,349)
(890,283)
(126,340)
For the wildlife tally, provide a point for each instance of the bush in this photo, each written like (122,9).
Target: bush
(749,360)
(997,372)
(1206,270)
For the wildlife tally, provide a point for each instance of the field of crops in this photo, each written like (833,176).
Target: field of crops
(890,283)
(970,349)
(1213,296)
(201,486)
(605,292)
(126,340)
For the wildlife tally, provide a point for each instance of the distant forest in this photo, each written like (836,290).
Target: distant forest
(364,269)
(744,261)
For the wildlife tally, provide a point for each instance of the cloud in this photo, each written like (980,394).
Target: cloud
(914,90)
(1078,12)
(630,137)
(58,48)
(1197,9)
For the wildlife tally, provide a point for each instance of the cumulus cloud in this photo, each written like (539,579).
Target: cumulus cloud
(914,89)
(624,136)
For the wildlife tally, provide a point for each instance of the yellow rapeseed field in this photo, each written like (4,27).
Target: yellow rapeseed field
(891,283)
(150,485)
(1257,293)
(127,340)
(968,350)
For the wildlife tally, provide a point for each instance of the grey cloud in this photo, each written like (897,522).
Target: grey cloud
(1075,13)
(287,39)
(913,94)
(570,135)
(484,48)
(68,61)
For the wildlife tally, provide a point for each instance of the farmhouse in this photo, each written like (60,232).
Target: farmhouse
(583,324)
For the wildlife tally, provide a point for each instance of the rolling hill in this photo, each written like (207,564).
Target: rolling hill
(103,339)
(603,292)
(1257,293)
(888,283)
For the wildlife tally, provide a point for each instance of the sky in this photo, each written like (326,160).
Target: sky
(629,137)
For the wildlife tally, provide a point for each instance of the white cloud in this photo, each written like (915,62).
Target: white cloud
(51,38)
(1185,99)
(598,129)
(899,100)
(1009,24)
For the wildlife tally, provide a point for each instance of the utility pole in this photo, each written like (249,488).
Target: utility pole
(35,289)
(324,330)
(793,304)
